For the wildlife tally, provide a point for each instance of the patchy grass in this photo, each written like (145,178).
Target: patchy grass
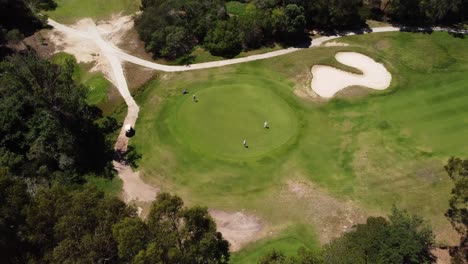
(70,11)
(288,241)
(236,8)
(382,149)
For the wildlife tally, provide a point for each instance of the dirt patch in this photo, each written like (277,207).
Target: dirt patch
(134,189)
(137,76)
(329,215)
(237,227)
(443,256)
(43,47)
(86,51)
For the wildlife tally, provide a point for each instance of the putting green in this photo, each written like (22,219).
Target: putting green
(224,116)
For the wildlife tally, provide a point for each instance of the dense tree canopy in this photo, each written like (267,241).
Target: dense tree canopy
(457,213)
(21,15)
(172,234)
(171,28)
(428,11)
(224,39)
(76,224)
(401,239)
(48,131)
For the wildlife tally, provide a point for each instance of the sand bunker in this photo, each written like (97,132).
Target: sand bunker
(237,228)
(327,81)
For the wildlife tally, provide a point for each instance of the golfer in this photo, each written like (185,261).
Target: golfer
(194,98)
(265,125)
(244,143)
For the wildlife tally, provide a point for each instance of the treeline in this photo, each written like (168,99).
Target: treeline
(49,133)
(402,238)
(172,28)
(76,224)
(423,12)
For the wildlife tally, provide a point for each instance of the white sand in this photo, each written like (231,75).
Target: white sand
(327,81)
(335,44)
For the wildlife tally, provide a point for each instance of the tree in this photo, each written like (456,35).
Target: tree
(274,257)
(48,130)
(457,169)
(404,238)
(171,28)
(304,256)
(131,235)
(181,235)
(13,198)
(74,225)
(224,39)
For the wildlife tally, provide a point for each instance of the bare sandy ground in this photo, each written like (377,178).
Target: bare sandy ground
(329,215)
(327,81)
(237,228)
(134,189)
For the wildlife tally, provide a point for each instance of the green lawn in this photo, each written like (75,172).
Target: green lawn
(69,11)
(380,149)
(223,116)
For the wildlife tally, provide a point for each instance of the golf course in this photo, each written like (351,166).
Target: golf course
(372,150)
(229,131)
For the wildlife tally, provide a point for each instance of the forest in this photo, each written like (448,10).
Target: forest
(172,28)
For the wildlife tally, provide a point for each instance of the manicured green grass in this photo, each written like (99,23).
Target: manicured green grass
(381,149)
(97,84)
(223,116)
(69,11)
(236,8)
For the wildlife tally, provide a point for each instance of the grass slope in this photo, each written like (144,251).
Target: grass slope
(69,11)
(379,149)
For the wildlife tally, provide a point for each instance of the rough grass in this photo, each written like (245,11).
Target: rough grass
(111,187)
(383,149)
(69,11)
(288,241)
(236,8)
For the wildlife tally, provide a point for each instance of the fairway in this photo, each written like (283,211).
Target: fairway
(223,116)
(365,149)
